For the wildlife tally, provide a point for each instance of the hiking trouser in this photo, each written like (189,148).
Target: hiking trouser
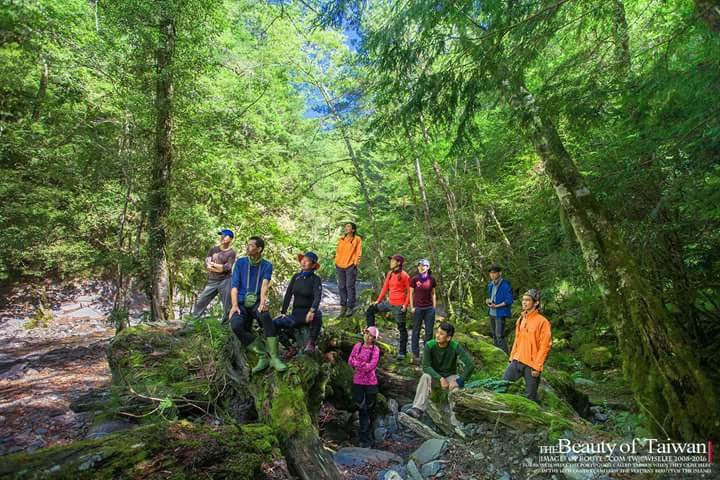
(424,387)
(241,323)
(398,314)
(423,316)
(346,285)
(213,288)
(518,369)
(364,397)
(285,323)
(497,328)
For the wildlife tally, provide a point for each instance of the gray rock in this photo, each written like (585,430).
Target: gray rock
(380,434)
(432,469)
(504,476)
(430,450)
(413,471)
(600,417)
(572,473)
(389,475)
(356,456)
(393,406)
(107,428)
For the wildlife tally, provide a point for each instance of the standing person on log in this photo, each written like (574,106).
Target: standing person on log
(347,260)
(397,283)
(440,366)
(250,283)
(218,263)
(364,359)
(533,340)
(499,299)
(423,302)
(305,289)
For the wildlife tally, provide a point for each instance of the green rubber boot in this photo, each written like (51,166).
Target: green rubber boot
(258,346)
(275,362)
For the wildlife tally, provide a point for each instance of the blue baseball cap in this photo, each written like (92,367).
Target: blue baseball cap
(227,232)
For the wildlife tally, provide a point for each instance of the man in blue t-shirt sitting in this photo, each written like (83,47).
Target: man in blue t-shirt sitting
(250,282)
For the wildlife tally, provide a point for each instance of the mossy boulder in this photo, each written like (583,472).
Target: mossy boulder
(596,356)
(177,450)
(490,361)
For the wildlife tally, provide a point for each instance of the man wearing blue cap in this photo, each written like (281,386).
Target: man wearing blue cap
(218,263)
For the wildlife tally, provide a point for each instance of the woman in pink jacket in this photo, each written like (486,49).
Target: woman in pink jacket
(364,359)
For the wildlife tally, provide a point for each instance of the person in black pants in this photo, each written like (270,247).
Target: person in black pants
(250,282)
(422,304)
(305,289)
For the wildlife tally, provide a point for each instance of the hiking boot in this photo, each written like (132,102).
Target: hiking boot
(289,353)
(416,359)
(275,362)
(400,356)
(310,347)
(343,312)
(350,311)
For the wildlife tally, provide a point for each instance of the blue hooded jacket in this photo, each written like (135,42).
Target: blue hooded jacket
(504,294)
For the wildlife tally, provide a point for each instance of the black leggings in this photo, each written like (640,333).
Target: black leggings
(365,397)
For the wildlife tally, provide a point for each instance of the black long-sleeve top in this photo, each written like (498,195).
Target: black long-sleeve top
(305,290)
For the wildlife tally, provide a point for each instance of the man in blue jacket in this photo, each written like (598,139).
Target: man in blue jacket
(499,299)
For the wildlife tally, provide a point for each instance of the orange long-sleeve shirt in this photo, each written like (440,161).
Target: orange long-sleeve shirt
(399,286)
(348,251)
(533,340)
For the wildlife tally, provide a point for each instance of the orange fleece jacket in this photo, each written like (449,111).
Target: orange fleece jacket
(533,340)
(348,251)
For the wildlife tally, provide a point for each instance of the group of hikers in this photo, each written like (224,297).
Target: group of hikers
(243,285)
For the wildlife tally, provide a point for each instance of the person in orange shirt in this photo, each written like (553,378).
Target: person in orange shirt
(533,340)
(347,260)
(397,288)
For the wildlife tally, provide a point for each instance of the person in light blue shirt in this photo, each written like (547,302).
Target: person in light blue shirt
(250,283)
(499,300)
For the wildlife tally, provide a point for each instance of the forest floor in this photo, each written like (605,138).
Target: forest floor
(48,371)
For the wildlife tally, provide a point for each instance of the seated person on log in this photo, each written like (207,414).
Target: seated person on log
(305,289)
(397,283)
(364,359)
(250,283)
(218,263)
(440,367)
(533,340)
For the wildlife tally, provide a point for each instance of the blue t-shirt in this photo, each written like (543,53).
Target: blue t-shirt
(252,282)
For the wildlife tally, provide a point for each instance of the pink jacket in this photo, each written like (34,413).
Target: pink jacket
(364,360)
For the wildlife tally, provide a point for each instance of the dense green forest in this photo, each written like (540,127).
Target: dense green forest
(575,143)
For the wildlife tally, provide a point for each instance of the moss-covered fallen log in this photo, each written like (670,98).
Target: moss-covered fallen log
(514,411)
(177,450)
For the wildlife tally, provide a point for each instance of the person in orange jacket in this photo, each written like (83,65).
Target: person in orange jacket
(533,340)
(347,260)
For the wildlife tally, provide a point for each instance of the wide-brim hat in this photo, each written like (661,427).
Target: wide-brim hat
(312,256)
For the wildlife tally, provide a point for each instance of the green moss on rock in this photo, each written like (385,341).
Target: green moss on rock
(177,450)
(596,356)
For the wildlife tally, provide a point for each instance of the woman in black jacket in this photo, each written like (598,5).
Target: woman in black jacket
(305,289)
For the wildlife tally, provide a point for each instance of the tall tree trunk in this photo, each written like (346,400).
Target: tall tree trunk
(657,356)
(159,204)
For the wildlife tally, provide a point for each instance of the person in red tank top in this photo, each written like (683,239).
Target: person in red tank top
(397,288)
